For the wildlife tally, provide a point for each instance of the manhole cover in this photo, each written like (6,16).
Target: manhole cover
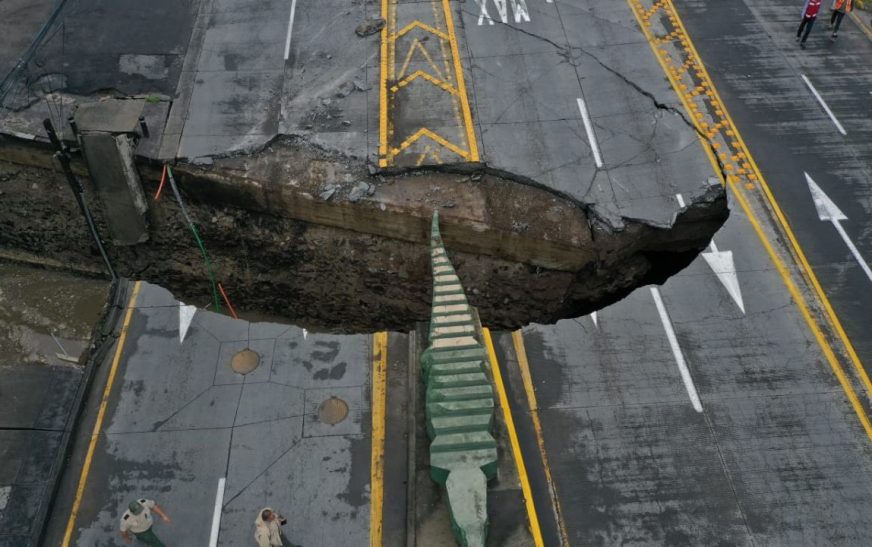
(245,361)
(332,411)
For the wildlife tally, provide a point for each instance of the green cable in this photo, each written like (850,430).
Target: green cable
(193,226)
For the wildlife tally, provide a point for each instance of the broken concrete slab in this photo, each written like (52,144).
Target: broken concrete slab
(359,265)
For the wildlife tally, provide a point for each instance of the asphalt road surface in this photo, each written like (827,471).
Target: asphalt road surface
(685,415)
(728,406)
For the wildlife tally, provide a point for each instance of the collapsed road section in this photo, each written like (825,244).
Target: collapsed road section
(318,238)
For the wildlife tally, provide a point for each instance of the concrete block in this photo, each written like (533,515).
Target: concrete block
(458,393)
(458,380)
(465,408)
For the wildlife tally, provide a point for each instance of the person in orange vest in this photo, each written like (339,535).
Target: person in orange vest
(809,14)
(840,8)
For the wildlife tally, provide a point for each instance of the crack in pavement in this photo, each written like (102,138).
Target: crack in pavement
(566,51)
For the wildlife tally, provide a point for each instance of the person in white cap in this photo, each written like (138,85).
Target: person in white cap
(137,520)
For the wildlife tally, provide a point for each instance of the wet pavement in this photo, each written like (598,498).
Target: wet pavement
(42,314)
(293,433)
(713,409)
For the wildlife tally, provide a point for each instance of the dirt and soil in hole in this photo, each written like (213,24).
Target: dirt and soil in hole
(340,275)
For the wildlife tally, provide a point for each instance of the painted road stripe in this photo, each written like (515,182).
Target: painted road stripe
(588,127)
(216,514)
(377,464)
(533,518)
(101,414)
(524,366)
(728,125)
(824,105)
(676,350)
(471,141)
(829,211)
(290,29)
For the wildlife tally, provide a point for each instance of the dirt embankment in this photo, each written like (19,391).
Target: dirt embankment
(299,233)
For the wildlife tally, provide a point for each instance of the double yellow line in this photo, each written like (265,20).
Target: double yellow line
(388,85)
(743,176)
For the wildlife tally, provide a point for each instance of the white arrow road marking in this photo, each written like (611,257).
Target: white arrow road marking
(723,265)
(305,334)
(591,136)
(721,262)
(593,318)
(186,315)
(827,210)
(676,350)
(824,105)
(216,515)
(290,29)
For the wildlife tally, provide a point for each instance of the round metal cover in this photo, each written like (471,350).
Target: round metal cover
(245,361)
(332,411)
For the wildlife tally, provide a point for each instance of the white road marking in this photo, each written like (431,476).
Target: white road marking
(588,127)
(721,262)
(829,211)
(290,29)
(680,199)
(216,515)
(824,105)
(519,10)
(186,315)
(5,492)
(483,14)
(676,350)
(594,319)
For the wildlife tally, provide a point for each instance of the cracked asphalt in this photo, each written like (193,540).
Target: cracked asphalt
(705,411)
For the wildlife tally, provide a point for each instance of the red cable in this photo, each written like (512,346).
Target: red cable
(227,301)
(163,179)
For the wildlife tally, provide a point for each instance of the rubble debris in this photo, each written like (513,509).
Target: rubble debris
(328,192)
(370,27)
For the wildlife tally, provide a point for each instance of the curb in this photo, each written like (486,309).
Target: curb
(102,339)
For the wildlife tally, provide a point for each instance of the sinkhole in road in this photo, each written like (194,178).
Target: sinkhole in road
(344,260)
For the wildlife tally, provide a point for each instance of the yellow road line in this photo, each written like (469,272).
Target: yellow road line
(383,91)
(424,132)
(521,354)
(101,413)
(535,531)
(421,25)
(782,220)
(388,86)
(864,26)
(377,464)
(461,84)
(421,74)
(733,137)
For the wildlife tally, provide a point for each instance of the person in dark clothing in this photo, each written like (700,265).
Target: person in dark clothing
(840,8)
(809,14)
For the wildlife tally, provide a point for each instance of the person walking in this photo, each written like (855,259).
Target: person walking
(268,531)
(137,520)
(840,8)
(809,15)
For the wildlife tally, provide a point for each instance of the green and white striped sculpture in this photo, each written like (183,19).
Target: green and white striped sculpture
(459,403)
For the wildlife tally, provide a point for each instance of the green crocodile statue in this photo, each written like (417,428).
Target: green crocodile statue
(459,402)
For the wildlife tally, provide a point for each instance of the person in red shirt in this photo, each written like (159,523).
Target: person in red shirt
(809,14)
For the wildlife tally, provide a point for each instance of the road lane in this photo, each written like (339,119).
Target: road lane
(631,460)
(748,47)
(179,419)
